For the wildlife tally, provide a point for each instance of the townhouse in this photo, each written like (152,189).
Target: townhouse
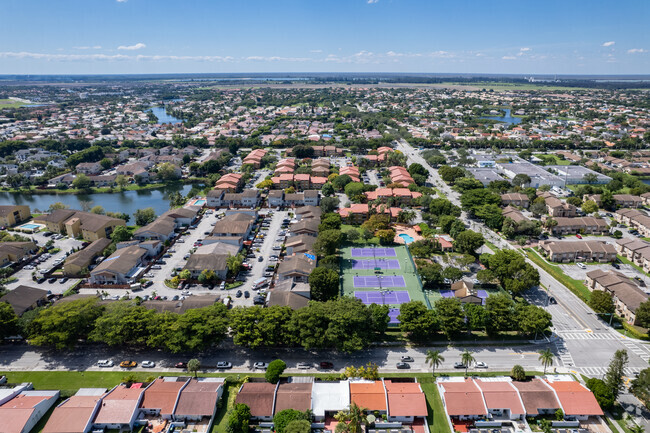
(236,224)
(358,213)
(76,414)
(278,198)
(578,251)
(249,198)
(586,225)
(300,182)
(122,267)
(13,252)
(213,257)
(626,294)
(24,298)
(11,215)
(635,250)
(515,199)
(21,407)
(288,293)
(320,167)
(230,182)
(400,175)
(255,158)
(621,200)
(82,259)
(635,219)
(164,227)
(558,208)
(76,223)
(514,214)
(88,168)
(296,268)
(351,171)
(395,196)
(327,151)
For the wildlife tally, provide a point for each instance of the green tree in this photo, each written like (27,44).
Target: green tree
(168,171)
(239,419)
(255,327)
(521,180)
(298,426)
(590,178)
(491,214)
(386,237)
(121,181)
(531,319)
(468,242)
(144,216)
(339,182)
(643,314)
(330,221)
(185,274)
(234,264)
(417,321)
(546,358)
(282,419)
(275,370)
(351,420)
(328,242)
(327,189)
(355,190)
(329,204)
(466,358)
(323,284)
(607,199)
(512,271)
(450,174)
(450,316)
(57,206)
(518,373)
(500,309)
(615,372)
(602,302)
(406,216)
(64,324)
(193,366)
(603,394)
(120,234)
(98,210)
(82,182)
(434,359)
(451,273)
(123,324)
(589,206)
(8,321)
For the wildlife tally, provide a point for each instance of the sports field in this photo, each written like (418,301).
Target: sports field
(380,275)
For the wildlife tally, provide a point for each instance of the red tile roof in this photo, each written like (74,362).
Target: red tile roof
(463,398)
(405,399)
(575,398)
(369,395)
(501,395)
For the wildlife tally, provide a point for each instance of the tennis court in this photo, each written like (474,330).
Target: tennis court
(373,252)
(379,281)
(375,264)
(388,297)
(392,314)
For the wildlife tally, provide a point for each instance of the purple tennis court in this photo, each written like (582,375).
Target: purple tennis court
(377,263)
(373,252)
(391,297)
(392,314)
(381,281)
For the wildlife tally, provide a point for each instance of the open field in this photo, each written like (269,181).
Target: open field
(10,103)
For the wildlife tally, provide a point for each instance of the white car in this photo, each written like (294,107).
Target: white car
(581,265)
(148,364)
(480,365)
(304,365)
(105,363)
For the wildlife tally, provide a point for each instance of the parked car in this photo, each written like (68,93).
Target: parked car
(616,266)
(105,363)
(180,365)
(480,364)
(247,294)
(52,280)
(326,365)
(578,236)
(402,365)
(238,294)
(304,365)
(260,365)
(581,265)
(459,365)
(260,259)
(224,364)
(128,364)
(148,364)
(63,280)
(407,359)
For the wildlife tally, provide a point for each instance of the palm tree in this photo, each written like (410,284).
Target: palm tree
(466,358)
(546,357)
(434,359)
(193,365)
(636,429)
(351,420)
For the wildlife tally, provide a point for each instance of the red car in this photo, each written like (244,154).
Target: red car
(326,365)
(181,365)
(579,237)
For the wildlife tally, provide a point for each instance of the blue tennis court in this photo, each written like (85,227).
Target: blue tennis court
(380,281)
(392,314)
(373,252)
(376,263)
(389,297)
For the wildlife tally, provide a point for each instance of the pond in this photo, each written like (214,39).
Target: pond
(126,201)
(506,119)
(163,117)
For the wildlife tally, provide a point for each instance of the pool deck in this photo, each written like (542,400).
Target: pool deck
(407,231)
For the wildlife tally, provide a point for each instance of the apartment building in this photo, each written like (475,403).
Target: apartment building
(578,251)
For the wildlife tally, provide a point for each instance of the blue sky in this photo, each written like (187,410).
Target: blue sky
(464,36)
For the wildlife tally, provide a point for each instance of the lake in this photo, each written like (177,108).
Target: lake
(126,201)
(506,119)
(163,117)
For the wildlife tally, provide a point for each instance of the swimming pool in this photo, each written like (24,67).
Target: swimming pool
(30,226)
(407,238)
(199,202)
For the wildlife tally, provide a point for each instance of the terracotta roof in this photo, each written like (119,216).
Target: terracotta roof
(72,416)
(199,397)
(536,395)
(405,399)
(575,398)
(501,395)
(369,395)
(463,398)
(162,394)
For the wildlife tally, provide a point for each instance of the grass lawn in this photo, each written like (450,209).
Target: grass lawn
(576,286)
(10,103)
(221,417)
(558,160)
(437,420)
(347,227)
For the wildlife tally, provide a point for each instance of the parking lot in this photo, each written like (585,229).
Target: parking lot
(24,276)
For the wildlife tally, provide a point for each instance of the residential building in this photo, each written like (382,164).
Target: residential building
(328,398)
(515,199)
(161,396)
(122,267)
(400,175)
(236,224)
(578,251)
(395,196)
(297,268)
(119,409)
(11,215)
(406,401)
(296,396)
(585,225)
(88,168)
(621,200)
(76,414)
(626,294)
(537,396)
(215,197)
(635,219)
(369,394)
(76,223)
(24,298)
(197,403)
(307,226)
(12,252)
(22,409)
(576,400)
(82,259)
(211,257)
(514,214)
(635,250)
(259,397)
(288,293)
(558,208)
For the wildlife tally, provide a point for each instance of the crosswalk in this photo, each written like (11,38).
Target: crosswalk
(563,353)
(587,336)
(636,349)
(600,371)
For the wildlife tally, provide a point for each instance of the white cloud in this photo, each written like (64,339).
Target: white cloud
(137,46)
(94,47)
(372,2)
(525,49)
(608,44)
(121,1)
(315,51)
(637,51)
(508,58)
